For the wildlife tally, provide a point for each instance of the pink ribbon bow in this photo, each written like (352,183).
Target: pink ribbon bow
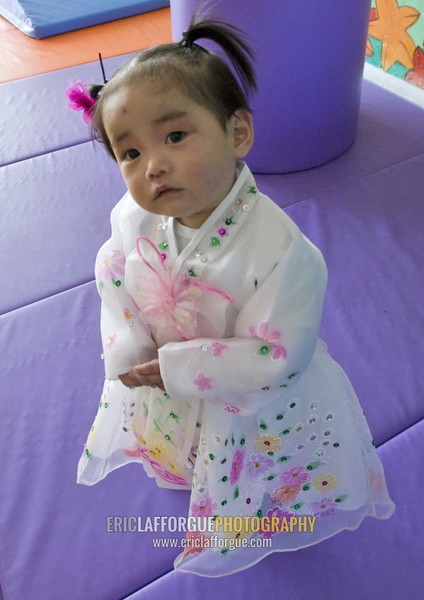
(169,298)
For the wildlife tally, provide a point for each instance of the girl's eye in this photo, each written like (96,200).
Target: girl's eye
(131,154)
(175,137)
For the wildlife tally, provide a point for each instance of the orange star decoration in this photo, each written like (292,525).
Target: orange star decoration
(390,28)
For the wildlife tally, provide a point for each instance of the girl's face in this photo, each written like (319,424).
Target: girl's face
(174,155)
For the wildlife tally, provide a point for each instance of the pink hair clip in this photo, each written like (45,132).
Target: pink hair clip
(80,99)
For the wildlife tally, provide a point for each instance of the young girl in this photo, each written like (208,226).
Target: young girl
(216,380)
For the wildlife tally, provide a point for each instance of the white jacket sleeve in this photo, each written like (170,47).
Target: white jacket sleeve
(275,336)
(126,339)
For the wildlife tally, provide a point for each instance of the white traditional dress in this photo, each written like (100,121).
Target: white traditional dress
(257,419)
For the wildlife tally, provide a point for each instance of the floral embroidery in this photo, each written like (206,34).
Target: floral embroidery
(232,409)
(218,348)
(195,542)
(324,483)
(129,317)
(205,508)
(203,382)
(258,465)
(237,466)
(111,267)
(324,508)
(377,481)
(267,442)
(138,451)
(295,475)
(158,448)
(111,341)
(285,494)
(128,314)
(135,452)
(271,337)
(274,513)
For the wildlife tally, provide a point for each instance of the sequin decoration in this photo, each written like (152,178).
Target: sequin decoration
(264,350)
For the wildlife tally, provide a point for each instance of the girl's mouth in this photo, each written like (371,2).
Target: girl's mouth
(165,190)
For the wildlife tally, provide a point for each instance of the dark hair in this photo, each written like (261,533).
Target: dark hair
(199,74)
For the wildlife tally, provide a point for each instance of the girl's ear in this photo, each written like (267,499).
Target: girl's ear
(242,129)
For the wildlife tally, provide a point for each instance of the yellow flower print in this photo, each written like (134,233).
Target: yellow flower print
(128,314)
(324,483)
(267,442)
(91,434)
(157,449)
(140,439)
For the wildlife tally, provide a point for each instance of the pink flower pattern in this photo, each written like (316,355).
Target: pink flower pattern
(110,341)
(195,542)
(258,465)
(285,494)
(138,451)
(218,348)
(237,466)
(294,476)
(323,508)
(272,513)
(271,337)
(111,266)
(203,382)
(205,508)
(231,409)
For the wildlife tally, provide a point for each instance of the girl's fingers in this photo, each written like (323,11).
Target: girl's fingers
(147,374)
(149,368)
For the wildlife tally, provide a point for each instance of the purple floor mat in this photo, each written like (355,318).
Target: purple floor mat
(364,210)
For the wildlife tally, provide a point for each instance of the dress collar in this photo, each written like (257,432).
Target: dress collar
(229,205)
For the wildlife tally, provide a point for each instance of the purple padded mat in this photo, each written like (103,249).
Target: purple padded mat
(35,118)
(363,210)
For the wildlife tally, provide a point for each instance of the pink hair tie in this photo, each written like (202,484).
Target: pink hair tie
(80,99)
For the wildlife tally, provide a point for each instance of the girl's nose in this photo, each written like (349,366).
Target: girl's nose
(156,166)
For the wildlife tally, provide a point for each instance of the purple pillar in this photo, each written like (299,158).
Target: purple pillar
(309,63)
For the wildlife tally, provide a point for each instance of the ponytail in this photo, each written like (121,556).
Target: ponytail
(228,37)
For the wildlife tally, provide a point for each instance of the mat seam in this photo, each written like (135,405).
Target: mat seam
(356,180)
(128,596)
(44,298)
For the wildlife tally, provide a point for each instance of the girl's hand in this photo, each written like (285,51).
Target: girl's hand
(147,374)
